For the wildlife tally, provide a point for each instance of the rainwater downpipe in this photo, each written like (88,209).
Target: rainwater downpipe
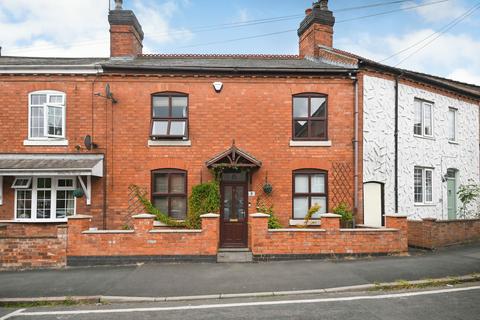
(397,78)
(355,145)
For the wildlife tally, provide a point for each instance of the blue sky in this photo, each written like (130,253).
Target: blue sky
(80,28)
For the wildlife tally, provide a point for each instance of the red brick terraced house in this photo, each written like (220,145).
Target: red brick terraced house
(77,132)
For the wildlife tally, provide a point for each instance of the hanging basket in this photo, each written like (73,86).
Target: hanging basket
(78,193)
(267,188)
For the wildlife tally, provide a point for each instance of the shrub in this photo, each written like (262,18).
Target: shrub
(313,210)
(468,194)
(205,198)
(343,209)
(273,222)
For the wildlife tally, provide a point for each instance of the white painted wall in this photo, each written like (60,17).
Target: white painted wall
(379,146)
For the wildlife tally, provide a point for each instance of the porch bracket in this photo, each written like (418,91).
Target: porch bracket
(87,189)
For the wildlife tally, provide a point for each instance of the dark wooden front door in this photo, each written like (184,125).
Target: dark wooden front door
(234,214)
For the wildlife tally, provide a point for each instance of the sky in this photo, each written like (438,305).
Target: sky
(79,28)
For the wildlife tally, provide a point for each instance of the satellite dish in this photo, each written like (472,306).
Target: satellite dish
(89,143)
(108,93)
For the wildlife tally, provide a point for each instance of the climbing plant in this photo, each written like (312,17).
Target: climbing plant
(149,208)
(205,198)
(273,222)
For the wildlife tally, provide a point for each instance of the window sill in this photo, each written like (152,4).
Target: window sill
(424,137)
(40,143)
(453,142)
(298,222)
(299,143)
(35,221)
(425,205)
(169,143)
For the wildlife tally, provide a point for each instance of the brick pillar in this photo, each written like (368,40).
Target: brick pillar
(211,228)
(76,225)
(257,230)
(399,222)
(143,223)
(330,222)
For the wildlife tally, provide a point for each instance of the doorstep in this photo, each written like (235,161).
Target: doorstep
(229,255)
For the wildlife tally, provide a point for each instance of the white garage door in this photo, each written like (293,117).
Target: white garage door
(373,204)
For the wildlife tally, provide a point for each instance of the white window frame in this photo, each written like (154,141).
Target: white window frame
(424,104)
(26,186)
(424,185)
(53,198)
(46,106)
(455,117)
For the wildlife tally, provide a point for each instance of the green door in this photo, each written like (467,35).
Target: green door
(452,199)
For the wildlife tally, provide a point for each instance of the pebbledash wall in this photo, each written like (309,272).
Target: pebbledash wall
(437,152)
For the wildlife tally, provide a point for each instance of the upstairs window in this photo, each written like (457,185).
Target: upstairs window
(310,117)
(169,116)
(46,115)
(423,121)
(309,188)
(169,192)
(452,124)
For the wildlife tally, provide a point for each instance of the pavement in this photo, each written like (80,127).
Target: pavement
(440,303)
(187,279)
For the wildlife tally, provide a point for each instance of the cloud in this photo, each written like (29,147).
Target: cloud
(447,56)
(440,12)
(242,16)
(78,28)
(465,75)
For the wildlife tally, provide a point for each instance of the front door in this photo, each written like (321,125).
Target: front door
(234,214)
(452,199)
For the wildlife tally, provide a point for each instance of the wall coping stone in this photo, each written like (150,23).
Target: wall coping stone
(79,217)
(107,231)
(330,215)
(259,215)
(369,230)
(210,215)
(396,215)
(297,230)
(457,221)
(143,216)
(176,231)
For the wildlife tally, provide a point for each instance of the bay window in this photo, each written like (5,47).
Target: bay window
(44,199)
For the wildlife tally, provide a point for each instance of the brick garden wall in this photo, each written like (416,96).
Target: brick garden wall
(329,240)
(26,246)
(432,233)
(143,243)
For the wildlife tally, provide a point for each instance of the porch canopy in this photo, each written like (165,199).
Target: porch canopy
(235,158)
(51,165)
(41,164)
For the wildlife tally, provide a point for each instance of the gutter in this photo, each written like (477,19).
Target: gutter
(228,69)
(51,69)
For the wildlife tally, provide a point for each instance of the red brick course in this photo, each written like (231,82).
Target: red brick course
(26,246)
(432,233)
(143,240)
(328,240)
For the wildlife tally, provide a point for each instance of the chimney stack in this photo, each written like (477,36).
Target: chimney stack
(126,34)
(316,29)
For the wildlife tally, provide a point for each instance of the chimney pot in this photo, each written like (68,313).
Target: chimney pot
(324,5)
(118,4)
(308,11)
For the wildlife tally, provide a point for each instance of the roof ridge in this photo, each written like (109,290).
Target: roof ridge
(221,56)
